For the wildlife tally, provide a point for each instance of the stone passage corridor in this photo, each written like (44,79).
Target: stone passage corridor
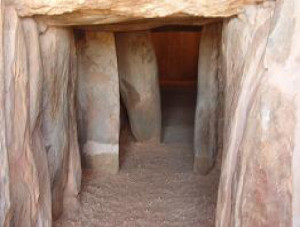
(156,185)
(73,71)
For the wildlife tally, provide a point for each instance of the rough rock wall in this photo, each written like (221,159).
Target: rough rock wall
(59,122)
(206,121)
(243,45)
(99,100)
(139,85)
(35,70)
(5,198)
(73,185)
(260,173)
(27,172)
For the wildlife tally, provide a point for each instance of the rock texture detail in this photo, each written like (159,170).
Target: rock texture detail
(243,45)
(5,198)
(139,85)
(27,173)
(206,120)
(65,12)
(35,69)
(39,148)
(59,65)
(99,100)
(259,181)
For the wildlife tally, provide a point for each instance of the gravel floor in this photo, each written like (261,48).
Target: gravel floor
(156,185)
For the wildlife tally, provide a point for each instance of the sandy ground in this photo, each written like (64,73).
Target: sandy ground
(156,185)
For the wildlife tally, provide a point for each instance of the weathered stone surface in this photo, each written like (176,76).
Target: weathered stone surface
(243,45)
(260,173)
(139,85)
(35,69)
(65,12)
(149,23)
(72,188)
(30,193)
(99,101)
(58,114)
(206,120)
(5,200)
(28,203)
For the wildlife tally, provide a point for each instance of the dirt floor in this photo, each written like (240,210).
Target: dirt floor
(156,185)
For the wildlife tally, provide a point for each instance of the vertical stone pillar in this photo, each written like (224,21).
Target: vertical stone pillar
(99,101)
(243,46)
(5,199)
(35,69)
(73,186)
(259,184)
(59,124)
(30,203)
(139,84)
(206,119)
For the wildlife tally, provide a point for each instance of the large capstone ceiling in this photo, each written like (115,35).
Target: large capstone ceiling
(144,13)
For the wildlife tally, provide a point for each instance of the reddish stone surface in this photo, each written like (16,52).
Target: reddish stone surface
(260,64)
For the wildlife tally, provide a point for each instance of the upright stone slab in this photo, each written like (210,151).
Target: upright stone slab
(139,84)
(99,101)
(36,76)
(5,198)
(259,184)
(57,45)
(28,176)
(244,42)
(206,119)
(73,185)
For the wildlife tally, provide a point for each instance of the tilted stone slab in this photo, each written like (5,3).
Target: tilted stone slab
(99,101)
(139,85)
(206,121)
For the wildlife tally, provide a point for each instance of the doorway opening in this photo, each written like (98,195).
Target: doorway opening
(156,72)
(177,52)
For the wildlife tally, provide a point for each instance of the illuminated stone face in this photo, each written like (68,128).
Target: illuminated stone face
(99,101)
(87,12)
